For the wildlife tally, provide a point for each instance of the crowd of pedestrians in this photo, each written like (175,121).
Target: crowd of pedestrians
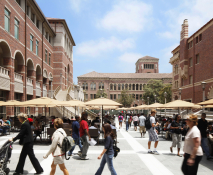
(195,133)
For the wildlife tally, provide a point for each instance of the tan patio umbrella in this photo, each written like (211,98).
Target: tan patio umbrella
(142,107)
(208,102)
(123,108)
(102,102)
(154,105)
(180,104)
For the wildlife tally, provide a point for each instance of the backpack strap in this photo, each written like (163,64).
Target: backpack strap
(58,143)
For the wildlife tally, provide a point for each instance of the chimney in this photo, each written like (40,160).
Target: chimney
(184,31)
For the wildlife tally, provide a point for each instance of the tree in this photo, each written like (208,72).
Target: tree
(168,89)
(126,98)
(99,95)
(153,88)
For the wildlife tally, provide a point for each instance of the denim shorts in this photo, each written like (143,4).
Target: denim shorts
(120,121)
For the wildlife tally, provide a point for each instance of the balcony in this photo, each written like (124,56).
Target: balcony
(29,86)
(4,79)
(44,91)
(174,58)
(38,89)
(18,83)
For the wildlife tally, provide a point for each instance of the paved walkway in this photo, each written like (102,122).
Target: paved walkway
(132,160)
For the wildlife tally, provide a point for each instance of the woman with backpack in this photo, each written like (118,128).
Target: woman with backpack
(108,152)
(55,150)
(120,119)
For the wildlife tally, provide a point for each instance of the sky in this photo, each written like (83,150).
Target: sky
(111,35)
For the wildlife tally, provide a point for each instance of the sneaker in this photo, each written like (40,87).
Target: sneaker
(150,152)
(155,152)
(85,158)
(80,154)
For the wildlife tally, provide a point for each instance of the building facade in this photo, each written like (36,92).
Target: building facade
(114,83)
(192,64)
(35,53)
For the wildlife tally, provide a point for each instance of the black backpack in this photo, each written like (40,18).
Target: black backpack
(115,148)
(147,123)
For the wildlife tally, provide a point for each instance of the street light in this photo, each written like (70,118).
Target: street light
(203,87)
(148,100)
(101,91)
(142,104)
(165,95)
(155,97)
(180,90)
(138,105)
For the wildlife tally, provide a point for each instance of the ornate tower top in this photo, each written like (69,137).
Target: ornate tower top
(147,64)
(184,31)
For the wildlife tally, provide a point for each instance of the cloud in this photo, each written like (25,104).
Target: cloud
(95,48)
(127,16)
(130,57)
(77,5)
(198,12)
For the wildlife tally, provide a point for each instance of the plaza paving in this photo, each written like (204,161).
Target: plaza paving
(132,160)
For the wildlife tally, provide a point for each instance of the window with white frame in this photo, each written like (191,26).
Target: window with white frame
(7,20)
(46,56)
(16,29)
(37,44)
(31,42)
(49,58)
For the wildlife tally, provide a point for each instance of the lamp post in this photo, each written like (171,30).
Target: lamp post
(142,104)
(148,100)
(165,95)
(155,97)
(180,90)
(138,105)
(203,87)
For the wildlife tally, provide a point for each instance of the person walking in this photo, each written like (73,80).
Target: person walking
(75,135)
(153,136)
(108,152)
(84,134)
(130,120)
(135,120)
(141,123)
(120,119)
(26,139)
(202,126)
(192,150)
(127,121)
(55,148)
(177,134)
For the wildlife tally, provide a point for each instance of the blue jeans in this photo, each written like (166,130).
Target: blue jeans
(205,146)
(106,159)
(5,129)
(127,126)
(77,142)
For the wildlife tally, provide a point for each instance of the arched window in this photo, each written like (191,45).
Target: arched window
(91,86)
(111,87)
(101,85)
(122,86)
(115,87)
(126,86)
(130,85)
(133,87)
(94,86)
(140,87)
(86,86)
(137,87)
(119,87)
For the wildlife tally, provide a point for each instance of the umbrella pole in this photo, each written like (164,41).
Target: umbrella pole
(102,115)
(75,110)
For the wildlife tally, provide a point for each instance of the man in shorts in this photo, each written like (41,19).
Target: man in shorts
(141,123)
(153,136)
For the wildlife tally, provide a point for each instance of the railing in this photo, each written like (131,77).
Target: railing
(4,79)
(18,82)
(50,93)
(38,89)
(29,81)
(176,56)
(18,77)
(4,71)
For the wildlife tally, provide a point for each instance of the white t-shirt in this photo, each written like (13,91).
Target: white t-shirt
(194,132)
(142,120)
(127,118)
(152,120)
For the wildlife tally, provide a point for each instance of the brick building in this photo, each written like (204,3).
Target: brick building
(35,53)
(114,83)
(192,64)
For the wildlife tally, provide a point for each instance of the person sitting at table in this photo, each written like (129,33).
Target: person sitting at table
(94,127)
(96,120)
(6,125)
(37,129)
